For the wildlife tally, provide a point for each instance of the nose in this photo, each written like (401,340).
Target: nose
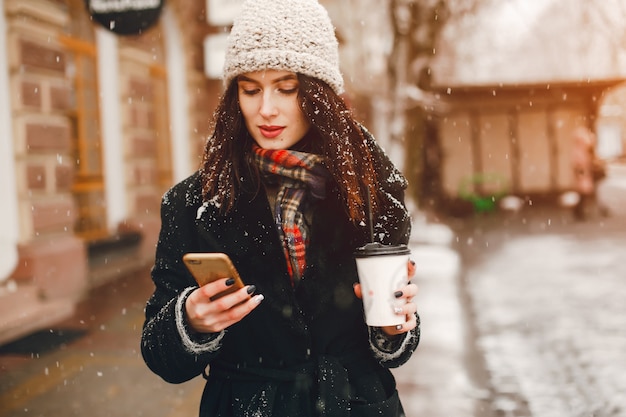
(268,107)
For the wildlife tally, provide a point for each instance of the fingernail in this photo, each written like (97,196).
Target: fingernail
(397,310)
(251,289)
(397,294)
(258,298)
(230,281)
(399,327)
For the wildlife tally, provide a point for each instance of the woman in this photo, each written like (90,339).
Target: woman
(283,191)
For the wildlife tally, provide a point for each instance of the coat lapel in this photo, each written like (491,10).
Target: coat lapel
(249,237)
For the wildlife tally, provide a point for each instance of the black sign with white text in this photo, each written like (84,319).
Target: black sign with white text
(125,17)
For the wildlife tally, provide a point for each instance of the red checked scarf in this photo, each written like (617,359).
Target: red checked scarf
(296,173)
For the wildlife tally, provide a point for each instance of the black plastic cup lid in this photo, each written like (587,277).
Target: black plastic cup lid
(378,249)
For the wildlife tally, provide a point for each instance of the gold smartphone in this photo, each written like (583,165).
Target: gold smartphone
(208,267)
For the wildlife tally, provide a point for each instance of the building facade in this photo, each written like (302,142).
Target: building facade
(492,141)
(95,127)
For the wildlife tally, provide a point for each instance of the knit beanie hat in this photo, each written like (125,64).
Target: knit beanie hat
(286,35)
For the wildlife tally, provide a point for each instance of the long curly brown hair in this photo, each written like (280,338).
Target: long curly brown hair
(334,134)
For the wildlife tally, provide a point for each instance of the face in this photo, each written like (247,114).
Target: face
(269,104)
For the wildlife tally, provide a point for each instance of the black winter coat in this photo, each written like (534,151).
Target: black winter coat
(304,351)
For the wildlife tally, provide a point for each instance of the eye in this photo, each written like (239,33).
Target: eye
(248,88)
(250,91)
(288,88)
(288,91)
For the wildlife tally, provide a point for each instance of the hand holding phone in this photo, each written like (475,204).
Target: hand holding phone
(208,267)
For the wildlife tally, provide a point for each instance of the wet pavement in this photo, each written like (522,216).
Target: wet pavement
(522,315)
(94,366)
(546,295)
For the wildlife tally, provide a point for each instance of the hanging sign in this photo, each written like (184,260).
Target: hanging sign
(125,17)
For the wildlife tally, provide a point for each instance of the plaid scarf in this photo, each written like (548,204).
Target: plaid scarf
(296,173)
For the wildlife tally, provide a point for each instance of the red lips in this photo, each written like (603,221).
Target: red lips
(271,132)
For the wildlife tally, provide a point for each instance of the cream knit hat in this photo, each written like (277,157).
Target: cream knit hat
(287,35)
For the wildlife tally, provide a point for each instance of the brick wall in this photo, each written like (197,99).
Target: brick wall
(43,134)
(142,137)
(53,262)
(42,97)
(50,254)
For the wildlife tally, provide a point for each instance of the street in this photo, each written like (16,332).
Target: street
(547,300)
(522,315)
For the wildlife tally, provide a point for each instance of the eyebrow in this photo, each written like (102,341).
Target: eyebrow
(277,80)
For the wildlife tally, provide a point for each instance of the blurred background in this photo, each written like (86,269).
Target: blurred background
(105,104)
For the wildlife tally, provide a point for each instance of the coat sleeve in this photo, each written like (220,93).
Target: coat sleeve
(393,351)
(169,347)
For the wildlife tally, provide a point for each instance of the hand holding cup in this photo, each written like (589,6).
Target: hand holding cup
(408,309)
(384,272)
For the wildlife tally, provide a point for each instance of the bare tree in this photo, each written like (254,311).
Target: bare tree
(416,28)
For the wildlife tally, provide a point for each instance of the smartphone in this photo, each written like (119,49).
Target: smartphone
(208,267)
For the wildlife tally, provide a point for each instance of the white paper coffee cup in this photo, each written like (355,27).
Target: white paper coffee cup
(382,271)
